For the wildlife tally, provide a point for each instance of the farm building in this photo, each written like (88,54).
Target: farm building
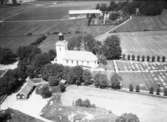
(74,14)
(26,90)
(73,57)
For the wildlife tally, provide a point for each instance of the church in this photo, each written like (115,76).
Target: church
(73,57)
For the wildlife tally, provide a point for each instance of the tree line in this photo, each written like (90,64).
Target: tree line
(110,49)
(145,7)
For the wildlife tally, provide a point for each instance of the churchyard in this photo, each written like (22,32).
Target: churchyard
(24,25)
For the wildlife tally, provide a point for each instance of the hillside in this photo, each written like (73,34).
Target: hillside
(143,23)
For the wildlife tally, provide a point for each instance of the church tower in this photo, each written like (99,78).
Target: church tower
(61,46)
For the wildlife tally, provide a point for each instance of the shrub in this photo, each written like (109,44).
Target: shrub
(62,87)
(44,91)
(137,88)
(165,91)
(158,91)
(116,81)
(131,88)
(143,58)
(128,57)
(163,58)
(151,90)
(138,58)
(101,80)
(133,57)
(127,117)
(148,58)
(123,56)
(158,58)
(153,58)
(84,103)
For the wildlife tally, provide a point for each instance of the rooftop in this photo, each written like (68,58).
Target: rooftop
(80,55)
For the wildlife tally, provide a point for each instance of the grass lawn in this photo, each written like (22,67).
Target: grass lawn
(144,43)
(54,110)
(148,109)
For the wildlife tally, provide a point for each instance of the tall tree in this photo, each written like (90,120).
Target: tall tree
(112,48)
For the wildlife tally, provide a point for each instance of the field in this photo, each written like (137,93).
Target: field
(23,24)
(151,43)
(143,23)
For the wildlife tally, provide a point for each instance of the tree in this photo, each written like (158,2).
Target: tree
(77,72)
(62,87)
(137,88)
(158,58)
(44,91)
(86,76)
(52,70)
(89,42)
(97,6)
(116,81)
(158,91)
(52,54)
(163,58)
(153,58)
(143,58)
(148,58)
(127,117)
(5,115)
(40,60)
(113,16)
(151,90)
(101,80)
(133,57)
(131,88)
(7,56)
(165,91)
(53,80)
(111,47)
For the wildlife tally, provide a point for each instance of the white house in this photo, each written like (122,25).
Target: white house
(73,57)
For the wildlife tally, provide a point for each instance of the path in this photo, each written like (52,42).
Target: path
(106,34)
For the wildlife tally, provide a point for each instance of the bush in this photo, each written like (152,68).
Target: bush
(116,81)
(62,87)
(153,58)
(101,80)
(148,58)
(158,91)
(84,103)
(131,88)
(163,58)
(44,91)
(138,58)
(165,91)
(127,117)
(137,88)
(133,57)
(151,90)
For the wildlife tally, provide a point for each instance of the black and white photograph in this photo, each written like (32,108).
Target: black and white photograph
(83,60)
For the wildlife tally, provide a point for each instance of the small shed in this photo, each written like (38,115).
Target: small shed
(26,90)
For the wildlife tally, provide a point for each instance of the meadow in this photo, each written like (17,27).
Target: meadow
(151,43)
(145,23)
